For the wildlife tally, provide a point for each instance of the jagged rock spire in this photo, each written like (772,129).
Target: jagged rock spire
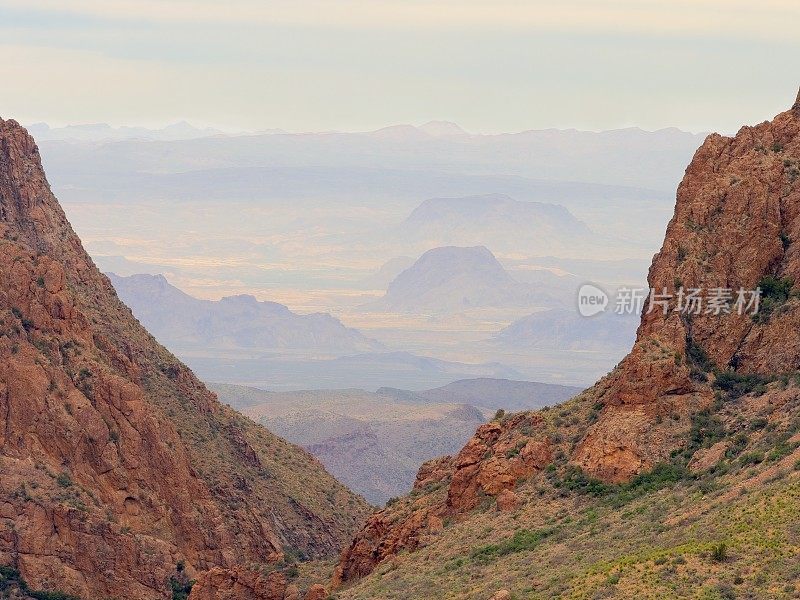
(796,106)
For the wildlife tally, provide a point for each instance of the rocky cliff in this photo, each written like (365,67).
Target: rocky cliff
(681,401)
(736,218)
(122,475)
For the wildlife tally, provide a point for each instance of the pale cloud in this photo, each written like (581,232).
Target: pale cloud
(766,18)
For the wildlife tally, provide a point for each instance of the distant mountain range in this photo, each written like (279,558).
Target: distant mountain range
(323,211)
(183,322)
(490,394)
(432,129)
(372,443)
(365,371)
(454,279)
(102,132)
(552,155)
(561,329)
(241,340)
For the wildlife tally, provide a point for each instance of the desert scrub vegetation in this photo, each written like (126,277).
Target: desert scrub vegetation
(775,292)
(522,541)
(617,495)
(12,585)
(735,385)
(179,583)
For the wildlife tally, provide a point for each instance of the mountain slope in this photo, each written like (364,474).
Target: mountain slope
(182,322)
(120,469)
(675,476)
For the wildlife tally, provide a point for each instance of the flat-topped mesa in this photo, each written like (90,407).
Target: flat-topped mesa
(120,470)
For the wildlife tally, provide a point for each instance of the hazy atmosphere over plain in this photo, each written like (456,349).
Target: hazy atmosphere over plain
(306,65)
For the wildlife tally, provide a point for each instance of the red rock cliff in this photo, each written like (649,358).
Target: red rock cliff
(116,463)
(736,221)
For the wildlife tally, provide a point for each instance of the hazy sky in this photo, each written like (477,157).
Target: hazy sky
(494,65)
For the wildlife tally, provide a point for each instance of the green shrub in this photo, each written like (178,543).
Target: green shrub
(575,480)
(523,540)
(698,356)
(661,476)
(736,385)
(719,552)
(726,592)
(775,291)
(780,451)
(751,458)
(180,584)
(737,445)
(707,429)
(516,449)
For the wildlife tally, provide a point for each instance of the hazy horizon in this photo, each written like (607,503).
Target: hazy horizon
(419,124)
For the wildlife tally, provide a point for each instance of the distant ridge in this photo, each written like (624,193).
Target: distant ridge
(491,393)
(101,132)
(184,322)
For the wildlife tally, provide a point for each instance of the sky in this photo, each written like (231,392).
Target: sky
(316,65)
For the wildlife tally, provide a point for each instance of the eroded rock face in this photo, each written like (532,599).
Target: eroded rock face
(117,464)
(239,584)
(736,221)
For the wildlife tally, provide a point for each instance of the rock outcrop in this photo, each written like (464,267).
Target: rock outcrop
(736,227)
(119,469)
(488,467)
